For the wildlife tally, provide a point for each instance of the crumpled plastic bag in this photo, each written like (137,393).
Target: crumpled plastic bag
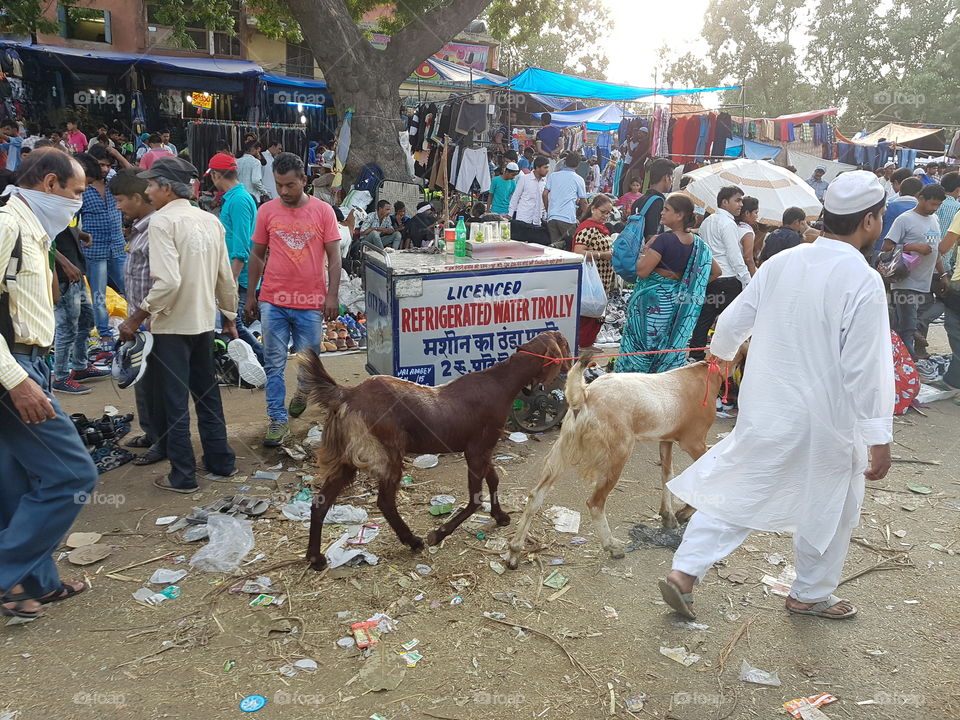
(230,541)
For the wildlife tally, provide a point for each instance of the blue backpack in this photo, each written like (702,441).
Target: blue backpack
(627,246)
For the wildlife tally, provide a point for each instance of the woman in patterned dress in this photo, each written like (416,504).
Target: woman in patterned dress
(592,239)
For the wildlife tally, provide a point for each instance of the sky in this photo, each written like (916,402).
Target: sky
(641,27)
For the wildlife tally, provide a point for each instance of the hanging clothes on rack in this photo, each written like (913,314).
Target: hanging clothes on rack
(724,131)
(471,165)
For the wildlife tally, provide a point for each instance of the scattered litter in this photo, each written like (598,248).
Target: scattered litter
(345,515)
(79,539)
(196,532)
(412,658)
(911,602)
(346,642)
(723,415)
(424,569)
(259,584)
(748,673)
(498,568)
(313,438)
(456,600)
(776,559)
(436,510)
(425,462)
(338,555)
(263,600)
(258,556)
(518,437)
(680,655)
(645,536)
(610,612)
(556,561)
(866,702)
(690,625)
(298,510)
(410,645)
(383,671)
(406,480)
(564,519)
(495,615)
(877,653)
(809,712)
(296,452)
(367,533)
(733,575)
(264,475)
(635,704)
(940,548)
(578,540)
(230,541)
(496,544)
(378,716)
(721,436)
(88,554)
(166,577)
(503,458)
(304,494)
(229,665)
(555,580)
(148,596)
(918,488)
(900,533)
(278,466)
(781,585)
(303,665)
(929,394)
(165,520)
(252,703)
(438,500)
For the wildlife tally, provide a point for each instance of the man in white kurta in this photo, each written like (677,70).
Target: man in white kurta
(816,408)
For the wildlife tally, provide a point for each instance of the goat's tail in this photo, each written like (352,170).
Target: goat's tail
(576,388)
(317,383)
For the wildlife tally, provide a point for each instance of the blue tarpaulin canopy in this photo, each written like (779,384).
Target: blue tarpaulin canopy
(598,119)
(93,60)
(546,82)
(294,82)
(754,150)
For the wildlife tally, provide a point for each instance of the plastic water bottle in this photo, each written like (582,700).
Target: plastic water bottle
(460,246)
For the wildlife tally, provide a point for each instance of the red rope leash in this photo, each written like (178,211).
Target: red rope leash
(713,366)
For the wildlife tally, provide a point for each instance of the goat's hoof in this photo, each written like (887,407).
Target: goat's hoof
(502,518)
(616,551)
(318,564)
(434,538)
(685,514)
(416,544)
(513,560)
(669,521)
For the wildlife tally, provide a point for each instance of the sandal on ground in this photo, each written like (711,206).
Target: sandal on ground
(253,507)
(149,458)
(140,441)
(680,602)
(819,609)
(64,592)
(164,484)
(16,611)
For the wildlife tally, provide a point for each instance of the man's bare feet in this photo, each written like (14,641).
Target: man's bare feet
(676,590)
(66,590)
(22,607)
(683,581)
(834,607)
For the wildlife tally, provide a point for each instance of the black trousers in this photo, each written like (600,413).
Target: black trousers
(525,232)
(178,367)
(720,293)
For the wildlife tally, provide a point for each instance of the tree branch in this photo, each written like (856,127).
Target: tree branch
(336,41)
(425,35)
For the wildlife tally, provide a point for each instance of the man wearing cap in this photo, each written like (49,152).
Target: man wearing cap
(192,279)
(502,188)
(817,182)
(808,433)
(238,215)
(887,179)
(420,228)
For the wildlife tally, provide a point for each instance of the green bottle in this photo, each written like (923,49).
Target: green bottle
(460,246)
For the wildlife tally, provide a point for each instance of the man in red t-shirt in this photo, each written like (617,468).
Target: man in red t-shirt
(302,236)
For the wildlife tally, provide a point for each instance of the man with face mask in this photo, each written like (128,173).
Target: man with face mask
(46,473)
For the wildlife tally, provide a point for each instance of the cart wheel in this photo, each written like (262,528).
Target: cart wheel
(540,408)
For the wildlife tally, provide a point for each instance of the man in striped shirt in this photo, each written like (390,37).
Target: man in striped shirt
(47,473)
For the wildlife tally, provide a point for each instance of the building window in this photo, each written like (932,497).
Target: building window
(212,42)
(299,61)
(86,24)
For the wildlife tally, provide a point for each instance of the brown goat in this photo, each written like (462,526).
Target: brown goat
(371,427)
(603,425)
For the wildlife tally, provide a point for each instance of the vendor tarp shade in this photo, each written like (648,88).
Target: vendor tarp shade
(915,138)
(546,82)
(806,164)
(754,150)
(294,82)
(451,72)
(599,119)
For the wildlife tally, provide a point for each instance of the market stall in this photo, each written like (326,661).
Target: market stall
(430,319)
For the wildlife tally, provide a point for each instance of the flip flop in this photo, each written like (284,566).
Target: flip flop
(253,507)
(149,458)
(818,609)
(163,484)
(140,441)
(57,595)
(15,611)
(678,601)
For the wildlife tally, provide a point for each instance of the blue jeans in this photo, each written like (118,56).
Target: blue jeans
(47,477)
(279,325)
(74,322)
(98,272)
(242,330)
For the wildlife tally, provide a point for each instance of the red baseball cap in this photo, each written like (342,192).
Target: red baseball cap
(222,161)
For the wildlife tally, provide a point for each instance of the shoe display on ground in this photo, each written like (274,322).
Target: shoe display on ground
(250,369)
(70,387)
(130,359)
(277,432)
(89,373)
(297,405)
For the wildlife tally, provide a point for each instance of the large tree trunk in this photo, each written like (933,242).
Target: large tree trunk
(366,80)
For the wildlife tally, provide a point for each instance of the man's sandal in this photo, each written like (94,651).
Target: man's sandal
(16,611)
(680,602)
(64,592)
(819,609)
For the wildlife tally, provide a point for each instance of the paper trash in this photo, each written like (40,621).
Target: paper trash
(338,554)
(751,674)
(167,577)
(680,655)
(564,519)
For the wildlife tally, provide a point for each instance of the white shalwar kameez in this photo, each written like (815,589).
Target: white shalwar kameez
(818,389)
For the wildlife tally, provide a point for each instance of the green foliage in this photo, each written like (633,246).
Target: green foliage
(24,17)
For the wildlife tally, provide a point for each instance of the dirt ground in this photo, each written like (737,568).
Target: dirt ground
(104,655)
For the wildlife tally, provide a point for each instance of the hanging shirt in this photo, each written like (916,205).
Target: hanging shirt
(817,316)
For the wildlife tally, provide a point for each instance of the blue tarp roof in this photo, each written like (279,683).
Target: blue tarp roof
(80,59)
(296,82)
(754,150)
(598,119)
(451,72)
(555,103)
(546,82)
